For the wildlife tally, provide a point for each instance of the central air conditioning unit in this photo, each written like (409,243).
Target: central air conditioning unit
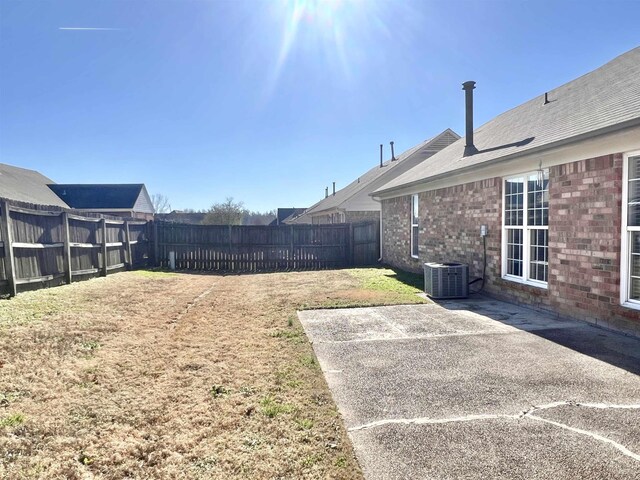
(446,280)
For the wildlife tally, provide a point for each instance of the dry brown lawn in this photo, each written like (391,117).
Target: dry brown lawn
(153,375)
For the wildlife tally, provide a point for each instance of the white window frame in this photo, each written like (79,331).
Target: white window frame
(414,237)
(625,234)
(526,235)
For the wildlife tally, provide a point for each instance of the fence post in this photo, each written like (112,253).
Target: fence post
(156,244)
(127,240)
(66,252)
(7,236)
(350,245)
(105,262)
(292,250)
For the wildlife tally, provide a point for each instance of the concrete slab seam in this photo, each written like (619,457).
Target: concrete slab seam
(529,414)
(593,435)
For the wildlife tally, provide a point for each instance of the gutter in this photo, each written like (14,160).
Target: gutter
(388,193)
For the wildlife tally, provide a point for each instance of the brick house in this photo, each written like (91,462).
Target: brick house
(556,181)
(353,203)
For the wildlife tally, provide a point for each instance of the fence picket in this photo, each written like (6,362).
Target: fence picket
(266,248)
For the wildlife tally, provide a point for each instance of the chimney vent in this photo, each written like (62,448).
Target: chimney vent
(469,148)
(393,155)
(381,156)
(546,98)
(326,192)
(334,188)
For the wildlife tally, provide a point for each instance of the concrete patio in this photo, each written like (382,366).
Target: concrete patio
(481,389)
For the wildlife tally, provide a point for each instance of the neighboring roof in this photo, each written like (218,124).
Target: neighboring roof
(191,218)
(27,186)
(375,177)
(98,196)
(604,100)
(284,214)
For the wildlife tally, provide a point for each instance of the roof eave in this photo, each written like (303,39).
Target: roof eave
(395,191)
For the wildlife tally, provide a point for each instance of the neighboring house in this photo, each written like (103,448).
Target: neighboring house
(27,186)
(556,181)
(287,215)
(178,216)
(353,203)
(122,200)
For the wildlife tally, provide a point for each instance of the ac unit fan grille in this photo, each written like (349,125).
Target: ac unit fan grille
(446,280)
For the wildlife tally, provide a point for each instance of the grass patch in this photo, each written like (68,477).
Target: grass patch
(90,346)
(12,420)
(309,361)
(373,287)
(34,306)
(296,336)
(7,398)
(271,408)
(219,391)
(154,273)
(304,424)
(388,280)
(311,460)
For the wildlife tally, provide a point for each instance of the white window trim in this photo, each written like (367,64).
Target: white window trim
(625,253)
(415,198)
(526,242)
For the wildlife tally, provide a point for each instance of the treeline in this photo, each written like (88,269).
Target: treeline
(228,212)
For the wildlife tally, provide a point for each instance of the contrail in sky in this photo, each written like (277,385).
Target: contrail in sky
(87,28)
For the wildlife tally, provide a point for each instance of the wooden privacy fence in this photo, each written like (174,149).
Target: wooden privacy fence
(42,246)
(265,248)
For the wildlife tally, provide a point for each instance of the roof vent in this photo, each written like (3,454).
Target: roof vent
(393,156)
(381,147)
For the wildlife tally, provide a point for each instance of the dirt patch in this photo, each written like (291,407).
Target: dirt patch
(172,376)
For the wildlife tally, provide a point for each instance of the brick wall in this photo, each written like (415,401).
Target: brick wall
(449,228)
(584,239)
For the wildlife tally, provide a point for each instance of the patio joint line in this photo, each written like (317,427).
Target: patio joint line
(528,414)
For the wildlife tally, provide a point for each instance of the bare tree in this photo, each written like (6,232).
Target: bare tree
(225,213)
(160,203)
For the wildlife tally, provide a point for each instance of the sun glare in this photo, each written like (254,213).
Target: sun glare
(322,26)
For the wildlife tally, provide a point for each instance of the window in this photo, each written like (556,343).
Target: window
(525,245)
(414,226)
(630,268)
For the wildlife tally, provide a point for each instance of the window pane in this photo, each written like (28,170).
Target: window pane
(513,201)
(634,291)
(514,252)
(538,265)
(633,217)
(538,199)
(635,242)
(634,167)
(414,241)
(635,265)
(414,210)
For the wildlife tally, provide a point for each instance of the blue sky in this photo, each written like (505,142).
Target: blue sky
(271,101)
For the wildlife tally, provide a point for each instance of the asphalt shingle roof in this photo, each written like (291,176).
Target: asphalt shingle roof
(27,186)
(414,155)
(90,196)
(606,98)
